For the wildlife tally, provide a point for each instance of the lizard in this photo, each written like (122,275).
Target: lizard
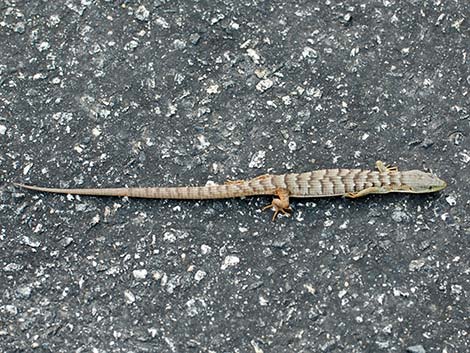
(351,183)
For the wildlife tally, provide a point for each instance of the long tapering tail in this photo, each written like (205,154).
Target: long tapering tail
(185,192)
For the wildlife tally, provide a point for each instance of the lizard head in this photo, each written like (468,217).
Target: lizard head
(421,182)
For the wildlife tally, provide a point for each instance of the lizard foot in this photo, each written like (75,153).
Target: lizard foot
(281,204)
(381,167)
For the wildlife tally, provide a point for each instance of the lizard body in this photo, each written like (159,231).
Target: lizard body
(351,183)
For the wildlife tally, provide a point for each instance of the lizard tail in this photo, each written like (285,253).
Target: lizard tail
(182,193)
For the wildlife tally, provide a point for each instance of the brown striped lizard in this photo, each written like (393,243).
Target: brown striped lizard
(350,183)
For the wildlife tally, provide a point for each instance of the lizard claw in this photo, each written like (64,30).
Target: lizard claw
(277,209)
(381,167)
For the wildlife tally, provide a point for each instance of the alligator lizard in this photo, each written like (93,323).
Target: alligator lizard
(351,183)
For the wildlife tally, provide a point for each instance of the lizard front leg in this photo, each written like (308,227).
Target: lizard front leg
(281,204)
(365,192)
(381,167)
(378,190)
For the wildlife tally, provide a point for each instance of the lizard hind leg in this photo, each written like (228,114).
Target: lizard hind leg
(234,182)
(240,182)
(281,204)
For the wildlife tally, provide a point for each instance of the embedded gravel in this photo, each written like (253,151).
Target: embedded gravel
(114,93)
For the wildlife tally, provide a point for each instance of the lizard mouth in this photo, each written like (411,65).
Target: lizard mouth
(442,185)
(438,186)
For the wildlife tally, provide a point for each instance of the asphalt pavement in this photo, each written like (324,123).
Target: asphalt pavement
(148,93)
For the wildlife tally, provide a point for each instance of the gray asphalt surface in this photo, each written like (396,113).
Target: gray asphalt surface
(115,93)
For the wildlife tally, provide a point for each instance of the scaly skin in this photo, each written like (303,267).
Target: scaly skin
(351,183)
